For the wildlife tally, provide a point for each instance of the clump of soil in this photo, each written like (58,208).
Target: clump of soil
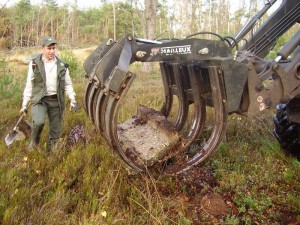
(197,184)
(214,205)
(197,178)
(76,135)
(147,137)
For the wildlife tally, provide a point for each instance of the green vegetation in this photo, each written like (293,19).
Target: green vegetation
(25,23)
(9,86)
(89,184)
(74,65)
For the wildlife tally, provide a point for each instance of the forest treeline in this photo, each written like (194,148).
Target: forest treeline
(22,24)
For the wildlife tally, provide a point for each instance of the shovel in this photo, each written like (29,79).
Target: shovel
(9,139)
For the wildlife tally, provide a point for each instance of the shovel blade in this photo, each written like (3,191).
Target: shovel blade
(9,139)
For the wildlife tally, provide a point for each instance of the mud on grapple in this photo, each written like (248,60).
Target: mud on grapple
(199,73)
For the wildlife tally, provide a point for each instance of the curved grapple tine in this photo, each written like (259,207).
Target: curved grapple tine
(86,95)
(111,127)
(199,116)
(106,111)
(91,100)
(94,104)
(166,77)
(220,121)
(103,110)
(98,107)
(183,104)
(184,82)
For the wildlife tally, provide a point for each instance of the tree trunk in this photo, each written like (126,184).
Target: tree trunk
(150,25)
(150,13)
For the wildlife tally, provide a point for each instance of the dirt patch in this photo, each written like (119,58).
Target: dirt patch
(214,205)
(200,182)
(195,189)
(198,178)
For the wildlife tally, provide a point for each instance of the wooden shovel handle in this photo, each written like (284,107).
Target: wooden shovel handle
(21,117)
(19,120)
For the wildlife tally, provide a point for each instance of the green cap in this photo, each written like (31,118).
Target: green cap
(48,41)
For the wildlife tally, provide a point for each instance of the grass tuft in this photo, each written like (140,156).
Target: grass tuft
(87,183)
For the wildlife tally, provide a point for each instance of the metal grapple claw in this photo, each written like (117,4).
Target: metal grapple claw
(191,75)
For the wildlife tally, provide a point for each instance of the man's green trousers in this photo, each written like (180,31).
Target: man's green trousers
(47,107)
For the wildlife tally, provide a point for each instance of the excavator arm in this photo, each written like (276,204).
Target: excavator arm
(201,74)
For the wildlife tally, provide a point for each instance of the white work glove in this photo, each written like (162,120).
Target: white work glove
(24,108)
(73,105)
